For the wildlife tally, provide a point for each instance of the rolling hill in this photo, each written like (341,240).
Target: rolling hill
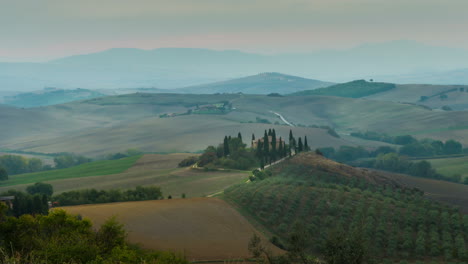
(200,228)
(263,83)
(49,96)
(324,198)
(113,124)
(150,169)
(354,89)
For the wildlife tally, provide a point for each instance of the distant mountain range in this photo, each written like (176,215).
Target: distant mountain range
(168,68)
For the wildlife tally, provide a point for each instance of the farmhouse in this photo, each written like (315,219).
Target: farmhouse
(256,142)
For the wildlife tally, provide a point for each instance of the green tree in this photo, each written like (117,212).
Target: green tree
(226,147)
(41,188)
(239,135)
(300,147)
(344,249)
(3,174)
(306,145)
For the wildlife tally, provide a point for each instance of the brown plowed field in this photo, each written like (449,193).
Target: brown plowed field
(200,228)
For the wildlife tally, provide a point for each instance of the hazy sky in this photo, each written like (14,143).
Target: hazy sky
(42,29)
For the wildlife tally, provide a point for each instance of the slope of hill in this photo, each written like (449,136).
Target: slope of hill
(199,228)
(114,124)
(149,170)
(433,96)
(354,89)
(325,197)
(49,96)
(263,83)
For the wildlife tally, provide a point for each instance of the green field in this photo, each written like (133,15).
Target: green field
(96,168)
(147,170)
(451,166)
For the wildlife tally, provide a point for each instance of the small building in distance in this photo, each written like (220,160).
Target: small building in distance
(256,142)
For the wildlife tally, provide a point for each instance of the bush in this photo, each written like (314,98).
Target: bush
(188,161)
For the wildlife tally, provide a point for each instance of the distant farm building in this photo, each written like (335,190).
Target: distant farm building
(261,140)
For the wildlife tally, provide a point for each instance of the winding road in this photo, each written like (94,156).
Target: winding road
(282,118)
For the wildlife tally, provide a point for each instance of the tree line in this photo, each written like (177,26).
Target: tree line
(233,153)
(60,237)
(413,147)
(386,158)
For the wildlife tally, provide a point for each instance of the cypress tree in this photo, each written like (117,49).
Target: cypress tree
(266,146)
(226,146)
(253,137)
(290,136)
(239,136)
(300,147)
(269,131)
(280,148)
(306,146)
(273,145)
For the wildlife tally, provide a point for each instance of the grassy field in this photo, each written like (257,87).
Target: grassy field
(200,228)
(151,169)
(96,168)
(451,166)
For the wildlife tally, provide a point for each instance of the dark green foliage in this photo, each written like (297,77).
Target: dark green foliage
(15,164)
(3,174)
(416,148)
(352,219)
(27,203)
(188,161)
(354,89)
(344,248)
(69,160)
(92,196)
(62,238)
(40,188)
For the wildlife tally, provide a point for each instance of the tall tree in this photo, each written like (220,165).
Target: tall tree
(226,146)
(273,153)
(266,146)
(300,147)
(280,148)
(253,136)
(3,174)
(239,136)
(306,146)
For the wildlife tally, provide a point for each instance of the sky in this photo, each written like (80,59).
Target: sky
(38,30)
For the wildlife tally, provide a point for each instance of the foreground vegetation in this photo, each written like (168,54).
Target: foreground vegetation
(63,238)
(394,223)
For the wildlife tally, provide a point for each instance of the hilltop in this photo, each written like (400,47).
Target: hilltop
(325,199)
(49,96)
(263,83)
(354,89)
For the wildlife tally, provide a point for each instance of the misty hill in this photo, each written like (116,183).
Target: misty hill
(263,83)
(322,197)
(49,96)
(179,67)
(354,89)
(190,122)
